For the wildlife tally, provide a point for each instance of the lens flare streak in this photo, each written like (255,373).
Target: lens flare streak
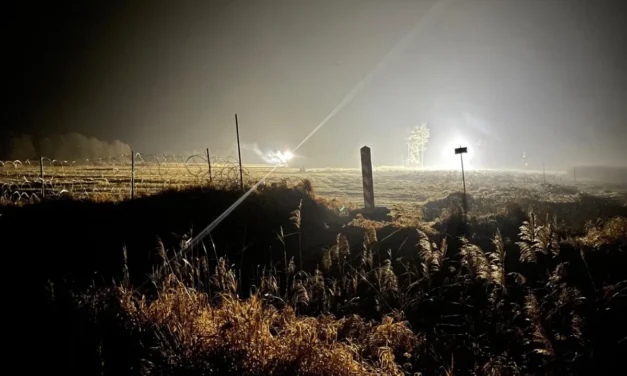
(347,99)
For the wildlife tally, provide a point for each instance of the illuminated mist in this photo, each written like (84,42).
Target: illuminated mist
(500,77)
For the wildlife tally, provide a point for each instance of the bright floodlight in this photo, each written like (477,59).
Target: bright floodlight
(284,157)
(450,161)
(278,157)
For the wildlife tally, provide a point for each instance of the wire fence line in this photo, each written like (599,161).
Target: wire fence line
(31,180)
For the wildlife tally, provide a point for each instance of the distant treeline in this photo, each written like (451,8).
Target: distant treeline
(64,146)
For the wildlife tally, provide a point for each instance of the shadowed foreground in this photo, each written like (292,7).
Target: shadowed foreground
(528,288)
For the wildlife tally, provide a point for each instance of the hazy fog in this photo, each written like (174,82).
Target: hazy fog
(503,77)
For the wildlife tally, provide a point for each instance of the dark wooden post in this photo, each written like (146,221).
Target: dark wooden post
(239,154)
(366,175)
(132,174)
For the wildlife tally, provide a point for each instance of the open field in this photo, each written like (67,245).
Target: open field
(111,180)
(531,280)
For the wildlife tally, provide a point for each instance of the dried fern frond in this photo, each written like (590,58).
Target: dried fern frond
(318,291)
(291,267)
(300,296)
(538,238)
(366,258)
(497,261)
(600,233)
(296,218)
(424,245)
(342,246)
(224,278)
(432,257)
(371,237)
(548,236)
(269,284)
(160,250)
(518,278)
(334,254)
(388,281)
(327,259)
(528,240)
(558,275)
(538,333)
(475,261)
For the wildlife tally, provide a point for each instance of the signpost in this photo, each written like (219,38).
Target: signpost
(461,150)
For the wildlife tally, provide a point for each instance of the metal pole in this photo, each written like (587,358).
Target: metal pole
(41,176)
(239,154)
(132,174)
(461,157)
(209,165)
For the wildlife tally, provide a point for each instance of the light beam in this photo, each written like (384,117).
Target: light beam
(347,99)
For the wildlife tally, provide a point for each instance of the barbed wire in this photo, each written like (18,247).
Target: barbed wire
(21,180)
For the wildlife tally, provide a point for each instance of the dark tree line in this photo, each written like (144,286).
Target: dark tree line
(62,146)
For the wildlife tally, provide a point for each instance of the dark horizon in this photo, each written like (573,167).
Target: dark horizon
(546,78)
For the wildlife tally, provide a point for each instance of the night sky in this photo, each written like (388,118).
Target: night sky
(547,77)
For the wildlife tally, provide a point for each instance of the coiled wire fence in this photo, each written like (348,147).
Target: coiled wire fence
(110,178)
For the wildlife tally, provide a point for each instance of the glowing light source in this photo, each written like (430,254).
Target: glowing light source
(450,161)
(278,157)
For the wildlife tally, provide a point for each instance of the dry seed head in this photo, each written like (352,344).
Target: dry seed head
(327,261)
(295,218)
(342,246)
(291,268)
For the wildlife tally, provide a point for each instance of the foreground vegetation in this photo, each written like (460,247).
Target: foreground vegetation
(295,284)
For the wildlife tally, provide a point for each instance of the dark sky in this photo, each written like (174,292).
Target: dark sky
(546,76)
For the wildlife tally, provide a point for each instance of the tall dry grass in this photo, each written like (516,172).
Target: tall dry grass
(477,295)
